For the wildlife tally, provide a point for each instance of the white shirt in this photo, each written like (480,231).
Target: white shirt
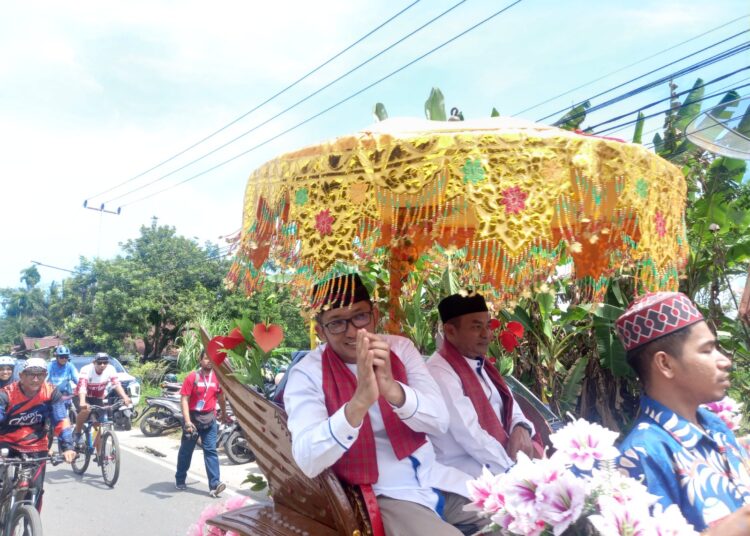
(96,385)
(318,441)
(467,446)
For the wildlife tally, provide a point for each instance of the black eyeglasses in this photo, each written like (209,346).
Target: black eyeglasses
(63,357)
(37,375)
(360,320)
(101,362)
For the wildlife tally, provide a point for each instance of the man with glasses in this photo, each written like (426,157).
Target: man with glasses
(94,382)
(25,407)
(61,372)
(362,403)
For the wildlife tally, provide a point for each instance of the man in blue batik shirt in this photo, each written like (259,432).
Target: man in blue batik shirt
(685,454)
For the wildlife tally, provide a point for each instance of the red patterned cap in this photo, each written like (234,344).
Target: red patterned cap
(655,315)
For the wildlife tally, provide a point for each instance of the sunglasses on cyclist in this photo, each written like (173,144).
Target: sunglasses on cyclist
(360,320)
(37,375)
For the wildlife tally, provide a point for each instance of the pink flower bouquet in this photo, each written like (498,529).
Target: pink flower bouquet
(577,491)
(201,528)
(728,410)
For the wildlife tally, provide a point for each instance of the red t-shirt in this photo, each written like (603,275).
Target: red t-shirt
(199,387)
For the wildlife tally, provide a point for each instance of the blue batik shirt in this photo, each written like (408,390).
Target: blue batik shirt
(706,473)
(61,376)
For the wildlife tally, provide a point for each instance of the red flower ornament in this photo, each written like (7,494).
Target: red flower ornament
(268,336)
(508,340)
(514,200)
(495,324)
(218,344)
(324,222)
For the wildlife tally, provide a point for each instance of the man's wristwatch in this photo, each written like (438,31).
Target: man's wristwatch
(523,425)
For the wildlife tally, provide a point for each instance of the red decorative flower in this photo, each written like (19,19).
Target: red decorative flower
(514,200)
(516,328)
(324,222)
(661,224)
(495,324)
(508,340)
(217,345)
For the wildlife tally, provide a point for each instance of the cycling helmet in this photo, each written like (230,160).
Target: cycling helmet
(7,361)
(35,363)
(101,356)
(61,351)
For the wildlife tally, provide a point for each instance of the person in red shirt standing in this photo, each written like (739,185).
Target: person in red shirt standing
(199,395)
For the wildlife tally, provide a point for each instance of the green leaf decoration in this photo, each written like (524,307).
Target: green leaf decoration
(573,119)
(494,112)
(658,143)
(434,106)
(572,383)
(611,351)
(691,106)
(380,112)
(638,134)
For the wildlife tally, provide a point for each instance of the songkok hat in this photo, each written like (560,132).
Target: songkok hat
(653,316)
(458,305)
(338,292)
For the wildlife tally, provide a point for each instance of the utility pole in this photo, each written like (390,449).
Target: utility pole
(101,210)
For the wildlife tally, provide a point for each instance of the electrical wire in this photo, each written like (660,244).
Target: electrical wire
(258,106)
(681,93)
(622,125)
(654,83)
(568,92)
(328,109)
(644,75)
(721,89)
(288,108)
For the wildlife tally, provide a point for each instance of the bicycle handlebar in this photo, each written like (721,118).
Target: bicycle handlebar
(55,459)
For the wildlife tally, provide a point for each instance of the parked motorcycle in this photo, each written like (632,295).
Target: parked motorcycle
(162,415)
(123,416)
(232,439)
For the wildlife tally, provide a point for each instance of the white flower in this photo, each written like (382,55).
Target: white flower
(561,501)
(618,519)
(581,443)
(620,487)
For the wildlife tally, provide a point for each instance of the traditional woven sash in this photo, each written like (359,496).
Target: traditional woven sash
(359,464)
(488,419)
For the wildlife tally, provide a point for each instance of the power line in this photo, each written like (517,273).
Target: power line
(723,88)
(645,74)
(53,267)
(650,85)
(654,103)
(622,125)
(629,66)
(258,106)
(326,110)
(681,135)
(287,109)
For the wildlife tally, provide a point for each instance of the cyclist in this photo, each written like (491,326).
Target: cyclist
(7,364)
(61,372)
(93,383)
(24,407)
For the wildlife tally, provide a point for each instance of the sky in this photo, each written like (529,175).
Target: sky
(94,93)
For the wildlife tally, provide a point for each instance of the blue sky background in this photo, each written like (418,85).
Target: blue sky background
(95,92)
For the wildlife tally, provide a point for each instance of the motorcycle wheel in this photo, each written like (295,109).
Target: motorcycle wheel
(237,449)
(26,521)
(148,425)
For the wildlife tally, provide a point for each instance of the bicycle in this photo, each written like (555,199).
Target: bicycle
(18,498)
(100,442)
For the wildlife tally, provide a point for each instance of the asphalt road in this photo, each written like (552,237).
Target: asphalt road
(144,501)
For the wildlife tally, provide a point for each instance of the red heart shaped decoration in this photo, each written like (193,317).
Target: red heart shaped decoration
(268,336)
(219,343)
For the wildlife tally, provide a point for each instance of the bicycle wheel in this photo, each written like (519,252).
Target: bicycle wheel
(26,522)
(81,463)
(109,458)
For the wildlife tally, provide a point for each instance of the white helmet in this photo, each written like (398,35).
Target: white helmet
(35,363)
(7,361)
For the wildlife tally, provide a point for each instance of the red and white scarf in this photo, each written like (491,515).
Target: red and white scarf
(359,464)
(488,419)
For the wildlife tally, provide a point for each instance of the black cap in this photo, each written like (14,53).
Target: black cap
(458,305)
(339,292)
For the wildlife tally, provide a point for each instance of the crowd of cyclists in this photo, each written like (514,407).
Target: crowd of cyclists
(39,401)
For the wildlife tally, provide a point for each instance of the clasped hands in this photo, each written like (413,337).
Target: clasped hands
(374,377)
